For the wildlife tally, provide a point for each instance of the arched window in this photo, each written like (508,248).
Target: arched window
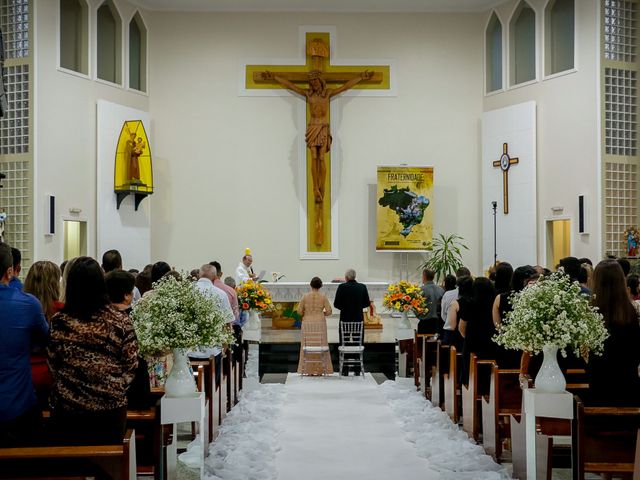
(137,54)
(493,54)
(109,56)
(523,44)
(74,37)
(559,17)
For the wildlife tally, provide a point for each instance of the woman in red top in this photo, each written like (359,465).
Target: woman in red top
(43,282)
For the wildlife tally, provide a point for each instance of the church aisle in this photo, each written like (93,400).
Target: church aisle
(343,428)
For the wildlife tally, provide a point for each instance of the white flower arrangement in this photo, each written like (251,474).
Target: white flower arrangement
(178,315)
(554,312)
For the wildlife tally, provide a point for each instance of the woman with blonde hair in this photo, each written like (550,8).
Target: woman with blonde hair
(43,282)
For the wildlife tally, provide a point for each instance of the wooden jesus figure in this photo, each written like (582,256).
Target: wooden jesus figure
(318,134)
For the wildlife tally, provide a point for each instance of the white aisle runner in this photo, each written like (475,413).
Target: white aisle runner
(343,428)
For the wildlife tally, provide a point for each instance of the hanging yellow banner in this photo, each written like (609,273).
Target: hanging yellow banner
(404,210)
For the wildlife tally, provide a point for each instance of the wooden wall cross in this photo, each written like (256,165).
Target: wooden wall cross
(505,163)
(317,81)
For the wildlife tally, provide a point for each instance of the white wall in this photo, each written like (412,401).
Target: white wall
(125,229)
(65,129)
(567,130)
(516,231)
(226,165)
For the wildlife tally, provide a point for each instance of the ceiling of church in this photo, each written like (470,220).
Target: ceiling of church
(319,5)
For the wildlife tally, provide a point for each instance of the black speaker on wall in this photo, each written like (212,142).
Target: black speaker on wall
(50,215)
(582,214)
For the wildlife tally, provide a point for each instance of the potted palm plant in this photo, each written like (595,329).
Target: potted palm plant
(446,255)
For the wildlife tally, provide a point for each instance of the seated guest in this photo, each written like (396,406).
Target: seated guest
(112,260)
(450,295)
(504,272)
(63,281)
(449,284)
(583,277)
(502,305)
(626,266)
(159,270)
(22,324)
(613,377)
(17,267)
(571,267)
(120,285)
(450,332)
(633,286)
(430,322)
(235,307)
(476,325)
(43,282)
(143,280)
(93,356)
(208,274)
(120,290)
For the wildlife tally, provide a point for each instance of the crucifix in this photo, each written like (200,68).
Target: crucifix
(317,82)
(505,163)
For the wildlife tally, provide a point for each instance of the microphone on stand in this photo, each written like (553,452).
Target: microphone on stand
(281,276)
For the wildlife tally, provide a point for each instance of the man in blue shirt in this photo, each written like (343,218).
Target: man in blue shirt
(17,266)
(21,323)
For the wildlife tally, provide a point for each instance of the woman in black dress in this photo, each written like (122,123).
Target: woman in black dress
(613,377)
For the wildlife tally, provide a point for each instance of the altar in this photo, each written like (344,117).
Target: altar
(293,291)
(286,295)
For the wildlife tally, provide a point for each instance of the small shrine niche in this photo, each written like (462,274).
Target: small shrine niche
(133,169)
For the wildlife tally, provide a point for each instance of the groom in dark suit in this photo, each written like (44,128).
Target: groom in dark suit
(351,298)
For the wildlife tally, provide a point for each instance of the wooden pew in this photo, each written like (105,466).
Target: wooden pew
(478,385)
(452,386)
(437,376)
(504,400)
(206,382)
(603,439)
(423,361)
(149,440)
(45,462)
(636,466)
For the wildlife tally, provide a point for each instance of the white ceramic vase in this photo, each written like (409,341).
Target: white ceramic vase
(550,378)
(254,320)
(180,382)
(403,321)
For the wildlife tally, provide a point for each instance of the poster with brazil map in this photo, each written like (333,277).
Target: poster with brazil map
(404,210)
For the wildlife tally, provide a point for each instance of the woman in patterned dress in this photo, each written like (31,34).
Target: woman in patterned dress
(314,308)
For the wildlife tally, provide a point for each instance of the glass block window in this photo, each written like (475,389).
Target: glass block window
(620,104)
(620,30)
(15,200)
(14,22)
(621,200)
(14,127)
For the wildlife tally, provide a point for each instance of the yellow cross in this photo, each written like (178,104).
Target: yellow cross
(505,163)
(318,59)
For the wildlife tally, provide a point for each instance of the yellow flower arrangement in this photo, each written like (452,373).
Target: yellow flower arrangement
(404,296)
(251,296)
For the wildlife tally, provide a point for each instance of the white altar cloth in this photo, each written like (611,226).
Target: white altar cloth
(293,291)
